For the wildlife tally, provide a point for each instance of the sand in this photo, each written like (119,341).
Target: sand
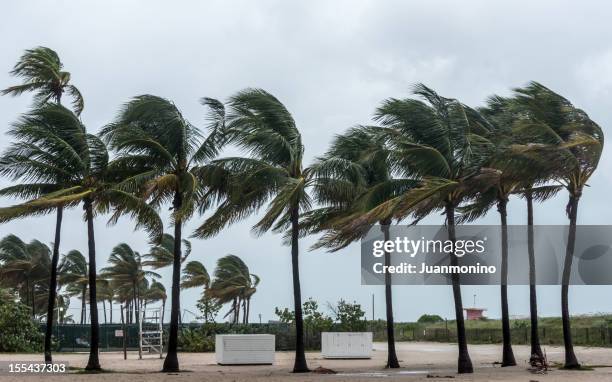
(420,362)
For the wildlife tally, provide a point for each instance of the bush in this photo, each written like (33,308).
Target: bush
(196,341)
(18,332)
(430,319)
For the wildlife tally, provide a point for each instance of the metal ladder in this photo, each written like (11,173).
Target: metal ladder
(151,332)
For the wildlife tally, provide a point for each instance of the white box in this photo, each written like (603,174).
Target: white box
(346,345)
(244,349)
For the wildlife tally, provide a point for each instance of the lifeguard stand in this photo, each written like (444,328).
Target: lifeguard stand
(151,332)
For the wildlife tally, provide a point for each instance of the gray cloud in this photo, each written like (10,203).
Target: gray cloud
(331,63)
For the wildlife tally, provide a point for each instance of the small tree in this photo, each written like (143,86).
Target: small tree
(350,316)
(209,308)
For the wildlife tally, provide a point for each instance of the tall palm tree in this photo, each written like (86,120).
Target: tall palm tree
(151,136)
(41,71)
(354,177)
(576,142)
(126,267)
(75,277)
(273,172)
(440,142)
(55,136)
(527,176)
(233,283)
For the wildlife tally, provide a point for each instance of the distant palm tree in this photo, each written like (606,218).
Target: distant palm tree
(25,267)
(233,283)
(161,254)
(156,292)
(195,275)
(576,142)
(105,291)
(41,71)
(153,138)
(56,134)
(75,277)
(126,268)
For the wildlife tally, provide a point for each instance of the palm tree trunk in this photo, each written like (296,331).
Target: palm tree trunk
(248,309)
(536,351)
(244,312)
(94,362)
(110,309)
(300,365)
(137,310)
(163,310)
(464,364)
(83,302)
(33,301)
(27,292)
(136,305)
(392,361)
(171,363)
(507,353)
(104,309)
(571,362)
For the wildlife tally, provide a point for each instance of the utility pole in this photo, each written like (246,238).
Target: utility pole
(372,306)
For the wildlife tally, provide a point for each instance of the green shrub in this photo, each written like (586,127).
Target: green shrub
(429,319)
(18,332)
(196,341)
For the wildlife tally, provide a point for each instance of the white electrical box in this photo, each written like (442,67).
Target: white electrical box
(244,349)
(346,345)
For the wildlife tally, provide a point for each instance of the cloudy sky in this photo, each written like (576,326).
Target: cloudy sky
(331,64)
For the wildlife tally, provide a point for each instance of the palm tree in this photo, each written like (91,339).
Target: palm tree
(233,283)
(41,71)
(126,268)
(576,142)
(152,136)
(75,276)
(527,176)
(156,292)
(24,267)
(439,142)
(55,136)
(161,254)
(352,178)
(261,125)
(195,275)
(106,293)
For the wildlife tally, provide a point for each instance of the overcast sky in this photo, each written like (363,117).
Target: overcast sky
(331,63)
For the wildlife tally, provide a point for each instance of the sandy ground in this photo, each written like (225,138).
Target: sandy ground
(420,362)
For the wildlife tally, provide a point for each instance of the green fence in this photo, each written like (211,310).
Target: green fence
(74,338)
(593,336)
